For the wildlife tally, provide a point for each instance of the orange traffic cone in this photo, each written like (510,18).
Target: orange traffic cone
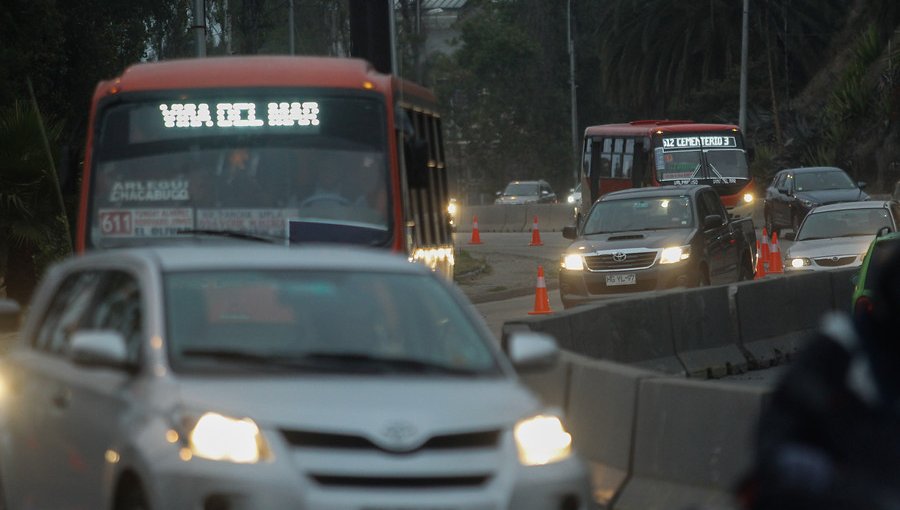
(776,265)
(535,234)
(476,236)
(541,298)
(760,267)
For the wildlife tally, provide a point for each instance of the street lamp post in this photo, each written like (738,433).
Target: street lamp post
(572,93)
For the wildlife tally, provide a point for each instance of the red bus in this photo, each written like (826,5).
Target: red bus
(286,149)
(661,152)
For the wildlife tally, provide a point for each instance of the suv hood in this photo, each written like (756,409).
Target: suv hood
(364,405)
(652,239)
(831,196)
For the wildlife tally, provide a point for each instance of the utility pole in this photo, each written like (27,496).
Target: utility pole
(572,92)
(742,122)
(291,25)
(199,28)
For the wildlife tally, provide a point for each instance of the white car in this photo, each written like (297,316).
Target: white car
(269,378)
(837,236)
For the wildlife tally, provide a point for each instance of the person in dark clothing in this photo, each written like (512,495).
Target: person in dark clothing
(830,436)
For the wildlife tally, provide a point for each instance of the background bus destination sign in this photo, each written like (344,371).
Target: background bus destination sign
(239,114)
(693,142)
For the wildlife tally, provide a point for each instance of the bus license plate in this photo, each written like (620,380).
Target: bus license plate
(620,279)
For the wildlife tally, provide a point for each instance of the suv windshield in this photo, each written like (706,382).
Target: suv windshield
(656,213)
(319,320)
(260,166)
(522,188)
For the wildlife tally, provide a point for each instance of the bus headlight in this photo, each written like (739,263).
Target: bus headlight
(674,254)
(748,198)
(217,437)
(573,262)
(542,440)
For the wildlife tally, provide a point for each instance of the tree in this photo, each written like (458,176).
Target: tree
(31,224)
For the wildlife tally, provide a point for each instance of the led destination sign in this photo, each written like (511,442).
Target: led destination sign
(696,142)
(239,114)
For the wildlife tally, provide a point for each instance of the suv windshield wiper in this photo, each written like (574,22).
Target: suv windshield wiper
(234,234)
(329,362)
(405,365)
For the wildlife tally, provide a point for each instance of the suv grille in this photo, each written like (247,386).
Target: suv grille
(416,482)
(607,262)
(301,439)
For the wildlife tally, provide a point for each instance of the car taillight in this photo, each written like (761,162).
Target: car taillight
(863,306)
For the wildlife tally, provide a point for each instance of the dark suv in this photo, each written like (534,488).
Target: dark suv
(655,238)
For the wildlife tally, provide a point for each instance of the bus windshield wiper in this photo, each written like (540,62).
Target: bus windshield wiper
(234,234)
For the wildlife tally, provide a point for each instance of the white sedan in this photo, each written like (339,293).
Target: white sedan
(837,236)
(268,378)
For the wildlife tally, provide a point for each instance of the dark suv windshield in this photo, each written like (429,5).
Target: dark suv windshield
(521,188)
(654,213)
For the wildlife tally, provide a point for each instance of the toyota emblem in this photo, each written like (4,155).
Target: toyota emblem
(619,257)
(399,437)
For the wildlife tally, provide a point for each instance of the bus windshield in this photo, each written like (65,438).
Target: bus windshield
(709,158)
(264,162)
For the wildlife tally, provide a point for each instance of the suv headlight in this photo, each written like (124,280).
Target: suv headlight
(542,440)
(573,262)
(217,437)
(674,254)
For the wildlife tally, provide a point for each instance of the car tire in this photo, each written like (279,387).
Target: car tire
(770,224)
(746,271)
(132,498)
(701,278)
(795,222)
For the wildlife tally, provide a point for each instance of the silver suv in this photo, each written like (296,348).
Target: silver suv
(265,378)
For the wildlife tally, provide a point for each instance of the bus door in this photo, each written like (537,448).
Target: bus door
(612,164)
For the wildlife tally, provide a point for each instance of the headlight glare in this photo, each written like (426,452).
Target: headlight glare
(748,198)
(542,440)
(573,262)
(217,437)
(800,262)
(451,209)
(674,254)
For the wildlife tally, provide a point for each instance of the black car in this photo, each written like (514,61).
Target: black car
(795,191)
(655,238)
(526,192)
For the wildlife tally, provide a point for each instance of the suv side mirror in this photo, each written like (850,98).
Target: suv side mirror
(100,348)
(712,221)
(570,232)
(529,350)
(498,193)
(789,236)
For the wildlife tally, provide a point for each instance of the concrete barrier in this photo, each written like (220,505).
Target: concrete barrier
(705,333)
(777,314)
(692,442)
(600,415)
(636,331)
(552,385)
(515,218)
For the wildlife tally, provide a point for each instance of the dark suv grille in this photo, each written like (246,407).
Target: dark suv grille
(607,262)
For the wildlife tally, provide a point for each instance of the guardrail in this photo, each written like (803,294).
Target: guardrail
(636,383)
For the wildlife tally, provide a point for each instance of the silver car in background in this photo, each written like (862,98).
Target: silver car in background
(263,379)
(837,236)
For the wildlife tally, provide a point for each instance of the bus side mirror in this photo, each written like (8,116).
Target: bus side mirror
(862,184)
